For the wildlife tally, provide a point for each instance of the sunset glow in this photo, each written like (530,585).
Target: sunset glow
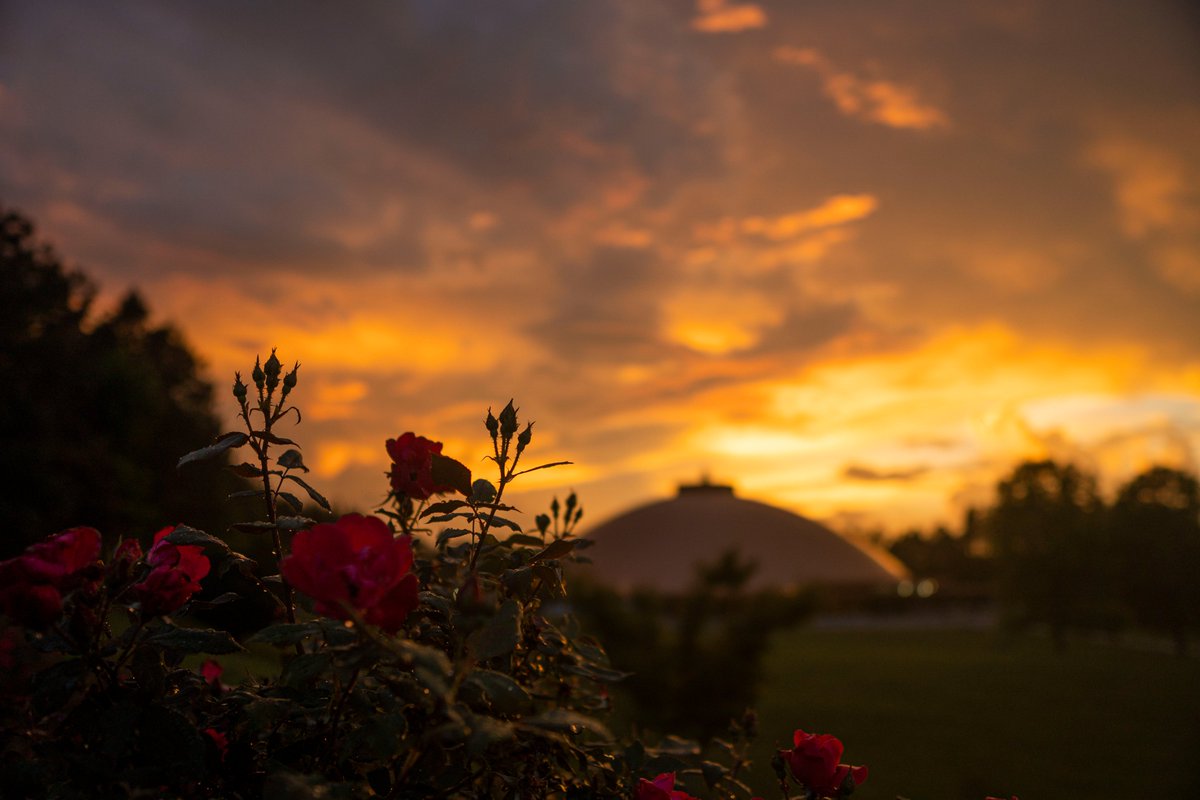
(856,262)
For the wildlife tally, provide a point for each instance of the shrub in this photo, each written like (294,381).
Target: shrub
(401,670)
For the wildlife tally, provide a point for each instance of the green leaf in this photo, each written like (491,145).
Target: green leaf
(451,533)
(219,600)
(226,441)
(316,496)
(561,720)
(292,501)
(518,581)
(556,549)
(505,695)
(450,517)
(543,466)
(291,459)
(596,672)
(429,664)
(245,492)
(245,470)
(286,633)
(499,636)
(304,669)
(272,438)
(503,522)
(293,524)
(448,472)
(254,527)
(444,506)
(185,535)
(194,640)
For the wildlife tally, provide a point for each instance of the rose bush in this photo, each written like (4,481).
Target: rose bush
(392,668)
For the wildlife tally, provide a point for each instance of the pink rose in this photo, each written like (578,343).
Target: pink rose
(813,761)
(356,562)
(175,575)
(661,788)
(412,466)
(32,585)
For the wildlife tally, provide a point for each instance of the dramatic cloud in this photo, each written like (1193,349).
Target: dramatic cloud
(872,99)
(855,258)
(720,16)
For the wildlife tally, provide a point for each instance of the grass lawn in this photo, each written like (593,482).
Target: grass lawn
(941,715)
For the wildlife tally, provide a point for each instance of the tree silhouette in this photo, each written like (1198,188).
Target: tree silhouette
(1156,537)
(95,412)
(1044,533)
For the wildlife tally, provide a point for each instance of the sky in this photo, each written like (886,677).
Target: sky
(856,258)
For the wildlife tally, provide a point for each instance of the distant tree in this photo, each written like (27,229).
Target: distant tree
(696,659)
(1155,526)
(94,412)
(1049,552)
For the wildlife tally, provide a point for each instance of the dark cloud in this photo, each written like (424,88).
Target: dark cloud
(860,472)
(539,171)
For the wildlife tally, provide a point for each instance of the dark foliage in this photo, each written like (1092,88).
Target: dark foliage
(695,660)
(95,410)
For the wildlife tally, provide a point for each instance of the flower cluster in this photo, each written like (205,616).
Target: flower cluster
(33,584)
(175,575)
(814,762)
(412,466)
(355,563)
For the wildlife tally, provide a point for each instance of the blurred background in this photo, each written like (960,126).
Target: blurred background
(925,272)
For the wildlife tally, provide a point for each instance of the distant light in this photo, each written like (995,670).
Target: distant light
(904,588)
(926,588)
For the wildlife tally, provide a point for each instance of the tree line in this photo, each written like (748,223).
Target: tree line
(95,406)
(1054,552)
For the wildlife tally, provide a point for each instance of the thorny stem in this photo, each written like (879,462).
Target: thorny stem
(505,479)
(133,640)
(269,499)
(336,712)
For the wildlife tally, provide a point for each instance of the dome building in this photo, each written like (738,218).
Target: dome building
(659,546)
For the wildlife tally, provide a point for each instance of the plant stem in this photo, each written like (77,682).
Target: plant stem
(336,712)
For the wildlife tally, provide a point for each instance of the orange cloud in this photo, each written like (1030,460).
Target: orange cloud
(837,210)
(719,321)
(336,399)
(874,100)
(1150,185)
(950,417)
(716,16)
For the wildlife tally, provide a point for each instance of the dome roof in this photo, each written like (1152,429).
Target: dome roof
(659,545)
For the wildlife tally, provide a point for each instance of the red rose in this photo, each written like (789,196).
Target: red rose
(175,575)
(67,553)
(32,584)
(661,788)
(357,562)
(412,466)
(813,761)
